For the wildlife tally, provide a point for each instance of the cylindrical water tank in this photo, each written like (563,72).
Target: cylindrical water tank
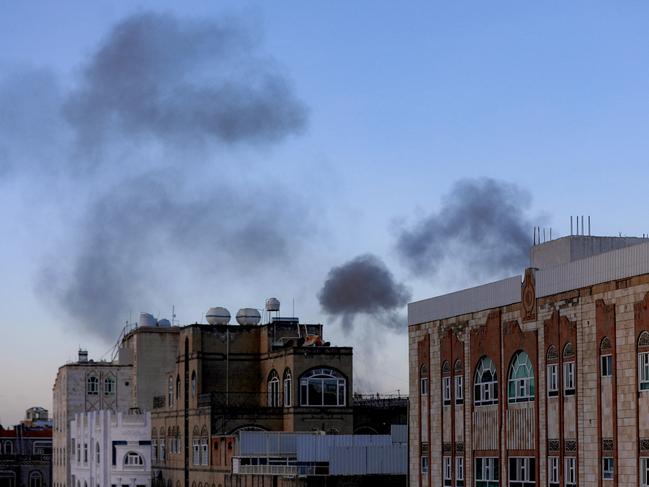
(248,316)
(272,304)
(217,316)
(147,319)
(164,322)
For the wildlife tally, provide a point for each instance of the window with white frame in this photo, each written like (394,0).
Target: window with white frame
(643,371)
(204,451)
(446,390)
(323,387)
(485,383)
(287,388)
(423,380)
(447,472)
(553,471)
(569,378)
(644,472)
(553,380)
(424,464)
(109,386)
(607,468)
(520,387)
(154,450)
(459,471)
(459,389)
(35,479)
(196,445)
(133,459)
(487,472)
(522,472)
(97,454)
(85,453)
(606,362)
(571,472)
(162,447)
(92,386)
(273,390)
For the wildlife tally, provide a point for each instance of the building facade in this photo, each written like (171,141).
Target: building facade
(279,376)
(26,456)
(541,379)
(111,449)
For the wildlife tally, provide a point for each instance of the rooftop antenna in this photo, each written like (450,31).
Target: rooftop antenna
(582,225)
(550,233)
(173,314)
(543,235)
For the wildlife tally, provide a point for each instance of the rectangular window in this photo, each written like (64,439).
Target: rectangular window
(644,472)
(154,450)
(486,472)
(423,386)
(204,452)
(459,471)
(447,471)
(607,365)
(446,390)
(643,370)
(459,389)
(553,380)
(553,471)
(522,472)
(607,468)
(197,452)
(569,378)
(571,472)
(85,453)
(424,464)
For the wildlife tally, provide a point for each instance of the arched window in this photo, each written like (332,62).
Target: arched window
(97,453)
(568,370)
(323,387)
(643,361)
(552,357)
(196,447)
(423,380)
(485,383)
(109,386)
(35,479)
(177,388)
(170,391)
(204,450)
(458,382)
(521,379)
(133,460)
(193,383)
(287,388)
(605,358)
(92,386)
(162,445)
(170,435)
(273,389)
(9,448)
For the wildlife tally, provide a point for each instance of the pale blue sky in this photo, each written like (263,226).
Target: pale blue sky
(404,99)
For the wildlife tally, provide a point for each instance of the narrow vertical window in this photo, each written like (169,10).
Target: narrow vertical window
(607,365)
(446,390)
(643,370)
(553,471)
(459,389)
(459,471)
(424,464)
(553,380)
(607,468)
(571,472)
(569,378)
(423,380)
(447,472)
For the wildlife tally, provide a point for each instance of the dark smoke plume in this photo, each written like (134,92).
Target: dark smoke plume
(481,224)
(364,285)
(181,81)
(158,96)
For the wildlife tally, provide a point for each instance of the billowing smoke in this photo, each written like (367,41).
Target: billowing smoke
(482,224)
(181,82)
(364,285)
(149,129)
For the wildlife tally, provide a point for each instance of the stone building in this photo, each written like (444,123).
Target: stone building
(541,379)
(279,376)
(146,353)
(111,449)
(26,456)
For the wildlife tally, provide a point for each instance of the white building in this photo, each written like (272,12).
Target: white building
(111,450)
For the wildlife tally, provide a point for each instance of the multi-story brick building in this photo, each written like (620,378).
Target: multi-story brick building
(541,379)
(26,455)
(278,376)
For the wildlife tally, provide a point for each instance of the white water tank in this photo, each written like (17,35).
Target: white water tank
(147,319)
(248,316)
(164,322)
(217,316)
(272,304)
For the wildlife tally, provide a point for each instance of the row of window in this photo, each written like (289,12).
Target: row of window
(522,471)
(92,386)
(318,387)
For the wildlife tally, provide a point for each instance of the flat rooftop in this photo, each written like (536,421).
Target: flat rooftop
(563,264)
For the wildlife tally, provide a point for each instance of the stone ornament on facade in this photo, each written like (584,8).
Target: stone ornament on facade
(528,297)
(607,444)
